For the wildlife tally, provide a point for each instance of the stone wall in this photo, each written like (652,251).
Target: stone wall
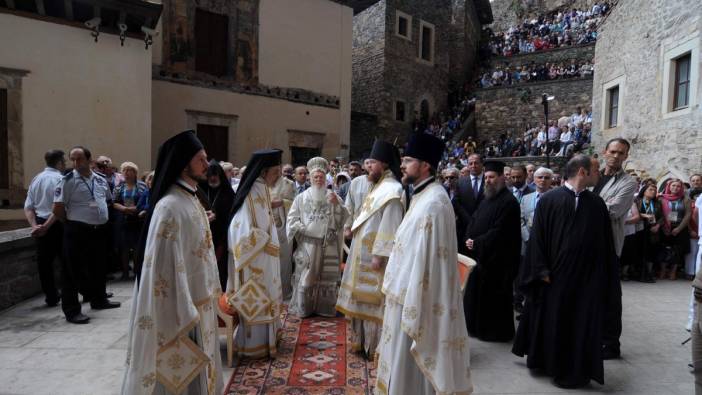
(19,278)
(406,77)
(364,131)
(631,46)
(511,108)
(579,53)
(368,59)
(463,49)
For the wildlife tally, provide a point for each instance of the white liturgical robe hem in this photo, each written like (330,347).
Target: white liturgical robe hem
(422,277)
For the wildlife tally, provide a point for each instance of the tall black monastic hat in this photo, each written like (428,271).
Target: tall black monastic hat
(425,147)
(389,154)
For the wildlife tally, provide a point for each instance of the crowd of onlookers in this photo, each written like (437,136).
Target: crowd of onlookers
(504,76)
(565,136)
(554,30)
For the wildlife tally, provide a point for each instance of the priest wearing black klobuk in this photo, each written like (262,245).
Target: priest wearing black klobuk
(493,239)
(564,280)
(173,346)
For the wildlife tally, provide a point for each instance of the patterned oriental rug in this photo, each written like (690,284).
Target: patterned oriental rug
(314,358)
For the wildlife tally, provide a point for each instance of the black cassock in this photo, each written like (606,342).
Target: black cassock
(496,233)
(561,327)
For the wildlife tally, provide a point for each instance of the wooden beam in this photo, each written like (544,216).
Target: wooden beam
(40,7)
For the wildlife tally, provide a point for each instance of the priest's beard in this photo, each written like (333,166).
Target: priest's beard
(491,190)
(318,194)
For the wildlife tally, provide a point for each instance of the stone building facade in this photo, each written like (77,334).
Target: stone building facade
(407,56)
(249,74)
(647,85)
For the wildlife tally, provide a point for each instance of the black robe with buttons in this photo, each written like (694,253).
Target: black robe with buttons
(561,326)
(496,232)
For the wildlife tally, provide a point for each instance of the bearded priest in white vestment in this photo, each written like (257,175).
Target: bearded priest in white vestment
(282,196)
(173,346)
(315,221)
(254,286)
(360,297)
(424,345)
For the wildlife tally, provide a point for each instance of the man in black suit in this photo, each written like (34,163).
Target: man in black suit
(468,196)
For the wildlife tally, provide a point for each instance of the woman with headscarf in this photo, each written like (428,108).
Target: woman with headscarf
(676,215)
(220,198)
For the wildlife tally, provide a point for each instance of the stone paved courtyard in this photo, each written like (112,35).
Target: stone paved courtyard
(42,354)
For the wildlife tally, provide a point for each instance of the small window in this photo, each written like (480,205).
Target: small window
(613,106)
(403,25)
(426,42)
(211,42)
(400,113)
(682,82)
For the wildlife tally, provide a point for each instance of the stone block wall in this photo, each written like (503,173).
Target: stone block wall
(406,77)
(365,130)
(578,53)
(368,59)
(512,108)
(632,47)
(463,48)
(19,278)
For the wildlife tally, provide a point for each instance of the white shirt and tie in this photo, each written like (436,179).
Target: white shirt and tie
(476,182)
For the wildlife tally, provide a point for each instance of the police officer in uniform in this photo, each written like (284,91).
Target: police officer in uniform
(82,199)
(45,228)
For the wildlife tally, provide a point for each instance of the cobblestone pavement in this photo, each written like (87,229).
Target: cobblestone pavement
(40,353)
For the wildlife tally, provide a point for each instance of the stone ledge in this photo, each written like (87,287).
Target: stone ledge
(532,84)
(199,80)
(545,51)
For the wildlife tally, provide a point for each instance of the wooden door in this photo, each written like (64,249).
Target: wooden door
(216,141)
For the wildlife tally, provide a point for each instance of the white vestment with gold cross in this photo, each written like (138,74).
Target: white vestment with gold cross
(316,225)
(254,287)
(360,297)
(424,344)
(173,346)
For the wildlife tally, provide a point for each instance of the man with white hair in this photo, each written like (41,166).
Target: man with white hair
(542,179)
(315,222)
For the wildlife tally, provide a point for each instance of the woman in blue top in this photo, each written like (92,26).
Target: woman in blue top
(126,195)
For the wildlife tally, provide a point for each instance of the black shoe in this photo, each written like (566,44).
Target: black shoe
(109,295)
(106,304)
(610,353)
(53,302)
(78,319)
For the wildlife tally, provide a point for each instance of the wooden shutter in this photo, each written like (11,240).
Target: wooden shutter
(211,42)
